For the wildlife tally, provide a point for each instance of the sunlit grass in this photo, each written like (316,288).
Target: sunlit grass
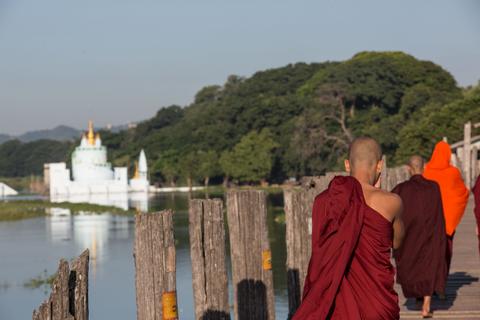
(26,209)
(40,280)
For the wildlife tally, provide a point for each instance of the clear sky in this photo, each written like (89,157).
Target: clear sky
(116,61)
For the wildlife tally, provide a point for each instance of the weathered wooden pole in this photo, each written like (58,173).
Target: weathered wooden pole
(298,203)
(251,255)
(155,267)
(384,174)
(69,297)
(208,254)
(474,162)
(467,159)
(298,233)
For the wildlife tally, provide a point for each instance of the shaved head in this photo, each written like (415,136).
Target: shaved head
(364,152)
(416,164)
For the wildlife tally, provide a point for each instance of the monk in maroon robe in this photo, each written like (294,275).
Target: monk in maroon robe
(476,195)
(353,226)
(421,262)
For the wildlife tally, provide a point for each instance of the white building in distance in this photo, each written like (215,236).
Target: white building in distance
(6,191)
(92,174)
(139,182)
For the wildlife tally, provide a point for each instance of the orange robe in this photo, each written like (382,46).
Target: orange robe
(453,190)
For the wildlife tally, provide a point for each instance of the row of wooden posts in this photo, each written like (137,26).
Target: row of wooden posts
(252,278)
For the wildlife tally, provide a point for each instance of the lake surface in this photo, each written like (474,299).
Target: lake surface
(32,248)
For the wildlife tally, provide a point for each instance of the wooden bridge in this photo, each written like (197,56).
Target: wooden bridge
(252,278)
(463,286)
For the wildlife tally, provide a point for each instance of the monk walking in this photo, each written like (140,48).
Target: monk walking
(453,191)
(476,194)
(421,264)
(354,225)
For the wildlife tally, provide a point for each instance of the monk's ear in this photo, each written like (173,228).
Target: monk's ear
(379,166)
(347,165)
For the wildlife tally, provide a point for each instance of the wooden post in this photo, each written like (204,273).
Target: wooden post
(155,267)
(384,174)
(474,164)
(207,251)
(251,255)
(467,164)
(298,205)
(69,297)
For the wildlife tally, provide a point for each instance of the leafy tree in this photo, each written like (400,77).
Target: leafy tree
(168,167)
(189,164)
(430,124)
(18,159)
(251,159)
(209,165)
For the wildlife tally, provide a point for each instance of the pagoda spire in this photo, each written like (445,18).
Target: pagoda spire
(91,134)
(136,175)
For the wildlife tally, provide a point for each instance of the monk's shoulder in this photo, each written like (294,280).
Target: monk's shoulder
(433,185)
(388,203)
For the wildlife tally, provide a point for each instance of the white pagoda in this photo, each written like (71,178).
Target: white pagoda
(140,182)
(92,174)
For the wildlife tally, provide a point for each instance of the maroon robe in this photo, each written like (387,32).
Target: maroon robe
(476,195)
(350,275)
(421,263)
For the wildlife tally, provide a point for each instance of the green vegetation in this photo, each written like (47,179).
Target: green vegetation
(19,183)
(290,121)
(17,210)
(251,159)
(42,280)
(18,159)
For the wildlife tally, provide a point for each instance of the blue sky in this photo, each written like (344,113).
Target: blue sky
(115,61)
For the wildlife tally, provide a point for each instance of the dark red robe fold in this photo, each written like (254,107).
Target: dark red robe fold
(476,195)
(350,275)
(421,264)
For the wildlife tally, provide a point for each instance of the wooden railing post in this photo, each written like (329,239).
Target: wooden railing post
(298,203)
(474,165)
(155,267)
(208,255)
(251,255)
(467,159)
(69,297)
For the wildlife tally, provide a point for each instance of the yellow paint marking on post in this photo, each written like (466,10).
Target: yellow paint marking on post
(169,305)
(267,259)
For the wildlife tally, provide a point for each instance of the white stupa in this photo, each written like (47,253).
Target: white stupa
(92,174)
(140,182)
(6,191)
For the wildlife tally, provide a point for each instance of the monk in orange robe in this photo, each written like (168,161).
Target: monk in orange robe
(420,261)
(476,194)
(453,191)
(354,225)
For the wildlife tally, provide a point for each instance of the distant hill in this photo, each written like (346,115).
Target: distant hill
(60,133)
(4,137)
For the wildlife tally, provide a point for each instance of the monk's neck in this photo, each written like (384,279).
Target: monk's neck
(365,178)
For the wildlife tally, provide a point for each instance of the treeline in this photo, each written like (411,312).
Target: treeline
(19,159)
(299,119)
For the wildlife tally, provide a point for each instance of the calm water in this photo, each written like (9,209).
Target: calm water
(29,247)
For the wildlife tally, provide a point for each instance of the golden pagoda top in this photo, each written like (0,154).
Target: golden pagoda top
(136,175)
(91,134)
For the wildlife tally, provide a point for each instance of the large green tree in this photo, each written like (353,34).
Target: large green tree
(251,159)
